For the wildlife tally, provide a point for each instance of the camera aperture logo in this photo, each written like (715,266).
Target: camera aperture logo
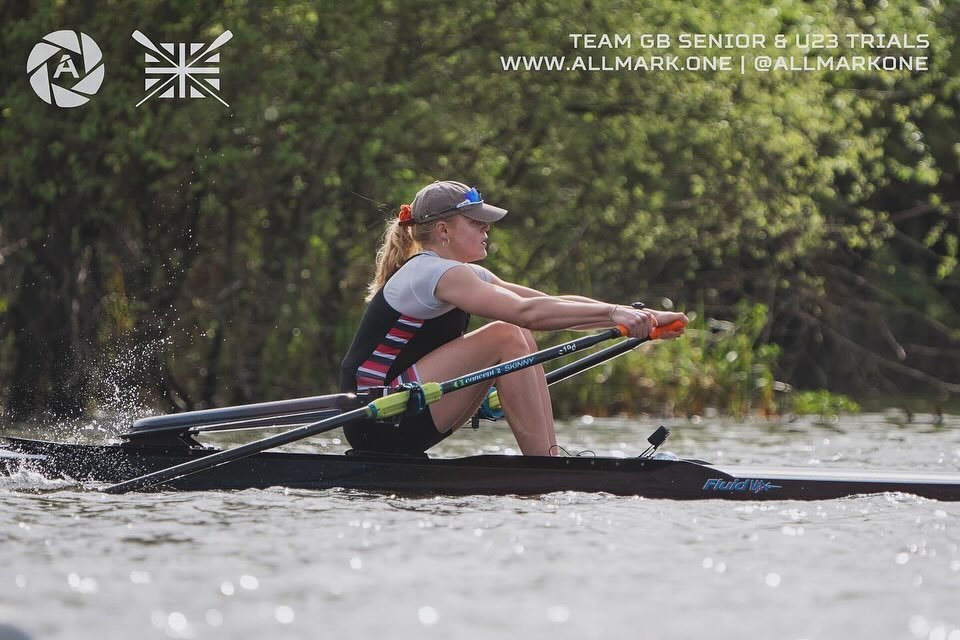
(66,68)
(174,70)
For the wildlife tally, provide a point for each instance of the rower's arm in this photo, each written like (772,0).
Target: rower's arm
(527,292)
(461,287)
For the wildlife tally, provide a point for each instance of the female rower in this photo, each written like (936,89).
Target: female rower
(415,327)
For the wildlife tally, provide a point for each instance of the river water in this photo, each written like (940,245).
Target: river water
(78,564)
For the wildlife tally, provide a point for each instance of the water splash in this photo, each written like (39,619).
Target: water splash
(26,479)
(116,398)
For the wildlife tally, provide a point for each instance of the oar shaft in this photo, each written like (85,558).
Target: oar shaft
(583,364)
(611,352)
(222,415)
(533,359)
(237,453)
(594,359)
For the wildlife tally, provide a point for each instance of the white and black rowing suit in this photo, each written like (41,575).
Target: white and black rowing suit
(403,322)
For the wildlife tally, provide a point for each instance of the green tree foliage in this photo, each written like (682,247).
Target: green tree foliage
(228,247)
(720,366)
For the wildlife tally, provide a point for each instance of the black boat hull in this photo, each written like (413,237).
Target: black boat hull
(477,475)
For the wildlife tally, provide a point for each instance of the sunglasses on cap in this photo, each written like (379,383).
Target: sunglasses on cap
(471,197)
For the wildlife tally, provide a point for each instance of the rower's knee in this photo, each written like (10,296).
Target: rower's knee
(529,339)
(513,341)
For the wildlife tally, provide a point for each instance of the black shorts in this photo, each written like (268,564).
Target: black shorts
(415,434)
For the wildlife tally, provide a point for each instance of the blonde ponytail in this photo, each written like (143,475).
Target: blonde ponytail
(400,242)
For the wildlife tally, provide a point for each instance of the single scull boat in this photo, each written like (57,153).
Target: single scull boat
(475,475)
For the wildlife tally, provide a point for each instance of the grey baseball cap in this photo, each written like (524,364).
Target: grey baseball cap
(446,198)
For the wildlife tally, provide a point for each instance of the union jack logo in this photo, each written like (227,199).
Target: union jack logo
(175,72)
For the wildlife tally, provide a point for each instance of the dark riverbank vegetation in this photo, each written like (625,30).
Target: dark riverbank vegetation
(809,219)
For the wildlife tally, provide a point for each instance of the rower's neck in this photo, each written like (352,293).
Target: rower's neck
(442,252)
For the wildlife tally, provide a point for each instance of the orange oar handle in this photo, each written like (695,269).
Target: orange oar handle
(676,325)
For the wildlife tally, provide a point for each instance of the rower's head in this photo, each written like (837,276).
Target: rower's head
(446,216)
(446,198)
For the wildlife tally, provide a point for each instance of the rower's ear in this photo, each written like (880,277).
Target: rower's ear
(443,229)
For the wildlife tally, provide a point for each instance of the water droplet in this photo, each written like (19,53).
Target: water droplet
(356,563)
(177,622)
(558,613)
(249,582)
(919,626)
(213,617)
(428,615)
(772,580)
(284,614)
(902,558)
(82,585)
(139,577)
(226,588)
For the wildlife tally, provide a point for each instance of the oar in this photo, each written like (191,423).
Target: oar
(594,359)
(140,37)
(385,407)
(218,42)
(589,362)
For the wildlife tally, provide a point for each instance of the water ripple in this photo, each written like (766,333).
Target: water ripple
(287,563)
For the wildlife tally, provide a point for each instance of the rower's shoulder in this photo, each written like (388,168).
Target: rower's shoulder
(429,262)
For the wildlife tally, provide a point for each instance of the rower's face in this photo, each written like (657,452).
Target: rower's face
(468,238)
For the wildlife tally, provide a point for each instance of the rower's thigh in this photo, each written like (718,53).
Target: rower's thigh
(488,345)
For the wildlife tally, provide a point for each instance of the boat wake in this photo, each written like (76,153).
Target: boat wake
(29,481)
(21,476)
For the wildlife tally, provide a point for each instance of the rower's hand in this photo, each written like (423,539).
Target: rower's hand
(639,322)
(671,324)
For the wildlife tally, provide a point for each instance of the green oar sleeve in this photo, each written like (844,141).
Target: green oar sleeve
(396,403)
